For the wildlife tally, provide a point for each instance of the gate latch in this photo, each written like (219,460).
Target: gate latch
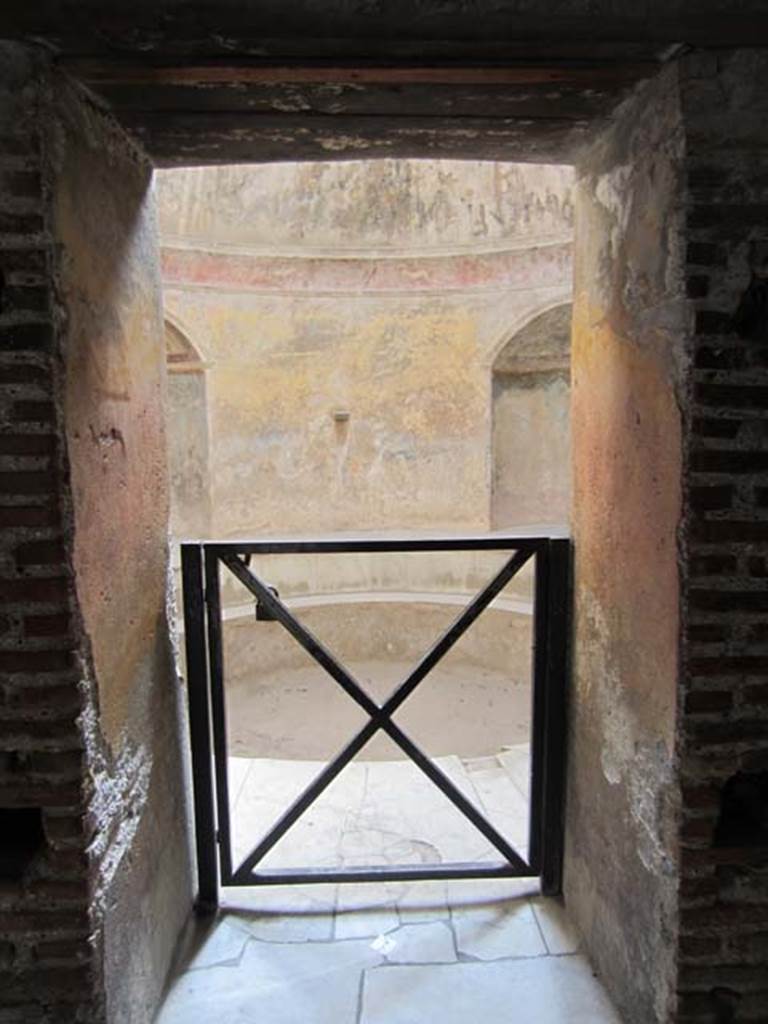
(263,614)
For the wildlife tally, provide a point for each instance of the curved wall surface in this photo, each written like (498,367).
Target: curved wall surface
(348,316)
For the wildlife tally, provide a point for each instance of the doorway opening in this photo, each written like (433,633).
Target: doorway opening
(386,354)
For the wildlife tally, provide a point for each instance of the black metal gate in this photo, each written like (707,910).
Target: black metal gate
(201,566)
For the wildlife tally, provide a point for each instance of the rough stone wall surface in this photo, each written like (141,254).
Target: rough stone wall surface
(724,725)
(349,316)
(628,368)
(48,952)
(109,292)
(87,929)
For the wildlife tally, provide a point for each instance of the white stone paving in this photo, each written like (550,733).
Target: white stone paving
(379,812)
(391,953)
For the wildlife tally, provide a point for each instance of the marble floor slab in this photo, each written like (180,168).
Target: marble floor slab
(387,953)
(379,812)
(406,953)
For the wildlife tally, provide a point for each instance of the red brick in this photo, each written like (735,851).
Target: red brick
(708,633)
(64,734)
(24,373)
(696,829)
(755,695)
(711,426)
(694,946)
(44,922)
(706,254)
(28,515)
(63,830)
(26,337)
(721,916)
(47,625)
(52,794)
(732,732)
(712,565)
(27,411)
(712,358)
(34,661)
(729,600)
(701,796)
(718,460)
(43,482)
(27,444)
(62,699)
(41,552)
(698,888)
(729,665)
(719,496)
(41,590)
(729,531)
(708,700)
(62,951)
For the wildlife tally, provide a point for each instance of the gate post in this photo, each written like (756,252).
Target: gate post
(199,727)
(555,729)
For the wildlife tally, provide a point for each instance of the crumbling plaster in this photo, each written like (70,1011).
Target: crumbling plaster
(111,332)
(377,290)
(628,369)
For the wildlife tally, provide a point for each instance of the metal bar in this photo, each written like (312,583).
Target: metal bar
(199,727)
(360,545)
(302,635)
(457,798)
(218,709)
(303,801)
(381,717)
(455,631)
(538,705)
(397,873)
(556,718)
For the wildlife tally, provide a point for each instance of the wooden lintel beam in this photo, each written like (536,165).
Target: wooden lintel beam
(113,73)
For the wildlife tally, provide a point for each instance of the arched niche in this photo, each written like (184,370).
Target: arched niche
(188,440)
(530,448)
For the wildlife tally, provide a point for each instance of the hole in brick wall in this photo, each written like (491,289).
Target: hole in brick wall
(22,834)
(750,321)
(743,817)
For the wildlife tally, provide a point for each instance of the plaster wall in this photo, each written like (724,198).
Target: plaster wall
(531,448)
(349,315)
(188,456)
(108,285)
(628,365)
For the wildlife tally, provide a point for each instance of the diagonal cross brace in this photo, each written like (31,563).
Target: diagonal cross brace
(380,717)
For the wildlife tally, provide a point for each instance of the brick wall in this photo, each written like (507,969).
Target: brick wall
(723,965)
(46,958)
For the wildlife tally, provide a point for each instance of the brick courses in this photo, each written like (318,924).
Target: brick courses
(46,956)
(723,953)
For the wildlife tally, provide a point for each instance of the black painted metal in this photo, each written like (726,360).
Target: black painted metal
(540,658)
(548,728)
(199,726)
(554,739)
(218,711)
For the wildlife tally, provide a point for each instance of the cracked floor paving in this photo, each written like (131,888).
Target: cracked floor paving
(399,953)
(391,953)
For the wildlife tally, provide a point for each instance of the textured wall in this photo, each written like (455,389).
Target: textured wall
(628,361)
(113,409)
(48,968)
(188,455)
(724,727)
(378,290)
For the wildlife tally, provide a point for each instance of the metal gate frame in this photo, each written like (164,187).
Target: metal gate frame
(201,563)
